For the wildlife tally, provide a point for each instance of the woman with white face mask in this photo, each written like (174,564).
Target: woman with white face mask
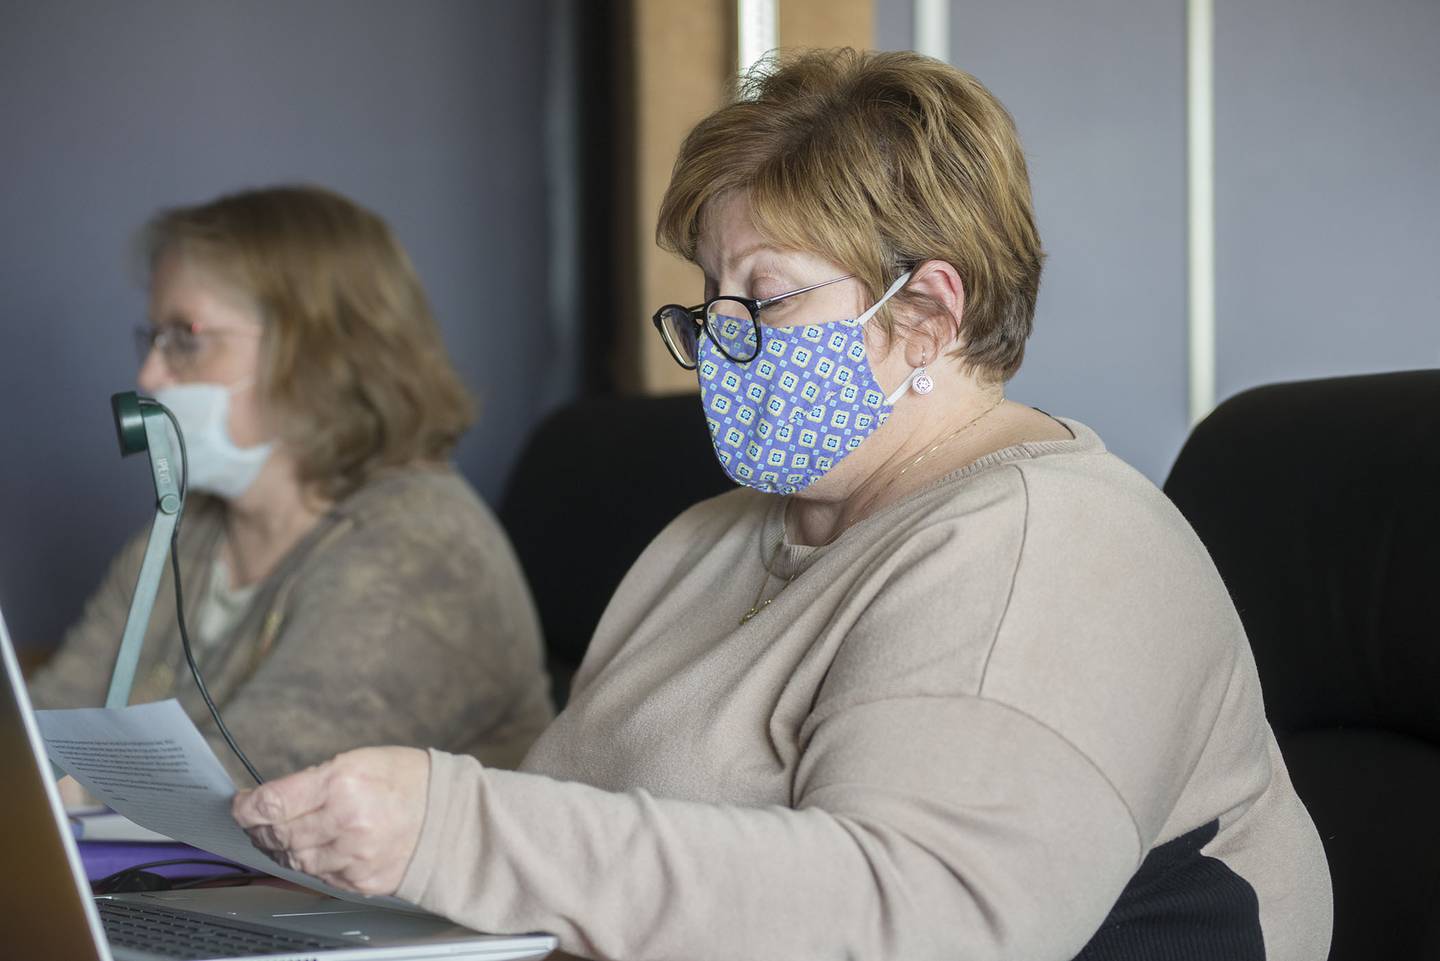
(945,679)
(344,585)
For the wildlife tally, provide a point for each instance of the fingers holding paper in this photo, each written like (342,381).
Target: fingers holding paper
(74,796)
(353,821)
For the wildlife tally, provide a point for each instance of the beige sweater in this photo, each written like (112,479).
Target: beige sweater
(967,729)
(401,618)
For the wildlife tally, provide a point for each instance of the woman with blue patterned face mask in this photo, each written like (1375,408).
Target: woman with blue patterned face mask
(799,373)
(943,679)
(814,386)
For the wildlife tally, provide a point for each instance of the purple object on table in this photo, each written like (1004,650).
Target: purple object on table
(104,858)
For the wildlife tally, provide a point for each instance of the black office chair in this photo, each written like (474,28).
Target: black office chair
(1320,503)
(596,482)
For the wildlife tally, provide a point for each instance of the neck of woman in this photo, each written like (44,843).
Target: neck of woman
(264,524)
(913,450)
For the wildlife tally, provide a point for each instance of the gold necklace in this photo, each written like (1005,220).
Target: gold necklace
(865,512)
(757,606)
(950,436)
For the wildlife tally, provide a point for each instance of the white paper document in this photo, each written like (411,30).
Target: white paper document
(151,764)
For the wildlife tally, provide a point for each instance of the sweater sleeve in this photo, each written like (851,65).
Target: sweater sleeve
(904,843)
(78,673)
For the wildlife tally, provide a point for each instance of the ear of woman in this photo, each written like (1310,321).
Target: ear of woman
(930,314)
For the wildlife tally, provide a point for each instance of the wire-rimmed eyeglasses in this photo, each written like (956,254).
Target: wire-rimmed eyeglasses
(732,323)
(181,343)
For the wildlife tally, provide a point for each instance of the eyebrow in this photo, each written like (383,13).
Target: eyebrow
(739,255)
(749,251)
(171,319)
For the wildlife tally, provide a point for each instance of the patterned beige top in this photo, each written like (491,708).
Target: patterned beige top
(401,618)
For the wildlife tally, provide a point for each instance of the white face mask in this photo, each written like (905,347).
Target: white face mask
(217,465)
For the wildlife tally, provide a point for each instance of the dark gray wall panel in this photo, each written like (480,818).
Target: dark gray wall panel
(429,112)
(1327,188)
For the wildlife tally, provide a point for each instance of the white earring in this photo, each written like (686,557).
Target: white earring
(922,383)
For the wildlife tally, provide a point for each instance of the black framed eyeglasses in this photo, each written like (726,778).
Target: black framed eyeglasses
(732,323)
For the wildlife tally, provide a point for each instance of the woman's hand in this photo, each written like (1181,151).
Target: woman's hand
(353,821)
(75,797)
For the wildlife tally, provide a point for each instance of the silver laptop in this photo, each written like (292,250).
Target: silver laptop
(47,910)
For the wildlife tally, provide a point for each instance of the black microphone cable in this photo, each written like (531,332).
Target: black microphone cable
(180,596)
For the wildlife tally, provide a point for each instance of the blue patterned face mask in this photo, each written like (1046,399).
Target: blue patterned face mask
(783,419)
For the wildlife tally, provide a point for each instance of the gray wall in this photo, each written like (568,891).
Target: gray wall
(1327,171)
(428,112)
(1327,194)
(1097,93)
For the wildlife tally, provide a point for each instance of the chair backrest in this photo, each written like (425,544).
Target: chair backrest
(596,482)
(1320,504)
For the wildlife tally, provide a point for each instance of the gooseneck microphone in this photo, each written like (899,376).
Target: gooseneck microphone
(141,425)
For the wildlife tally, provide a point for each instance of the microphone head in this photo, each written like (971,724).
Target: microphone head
(129,423)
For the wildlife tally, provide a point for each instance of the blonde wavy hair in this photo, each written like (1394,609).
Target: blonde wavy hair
(353,371)
(876,161)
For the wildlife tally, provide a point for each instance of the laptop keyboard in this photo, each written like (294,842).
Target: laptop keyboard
(176,934)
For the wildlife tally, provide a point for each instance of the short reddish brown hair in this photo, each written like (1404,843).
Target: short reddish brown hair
(876,160)
(354,372)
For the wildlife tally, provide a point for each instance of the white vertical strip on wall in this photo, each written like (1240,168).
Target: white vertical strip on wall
(1200,114)
(932,29)
(758,31)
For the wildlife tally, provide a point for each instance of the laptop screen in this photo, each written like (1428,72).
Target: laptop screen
(45,907)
